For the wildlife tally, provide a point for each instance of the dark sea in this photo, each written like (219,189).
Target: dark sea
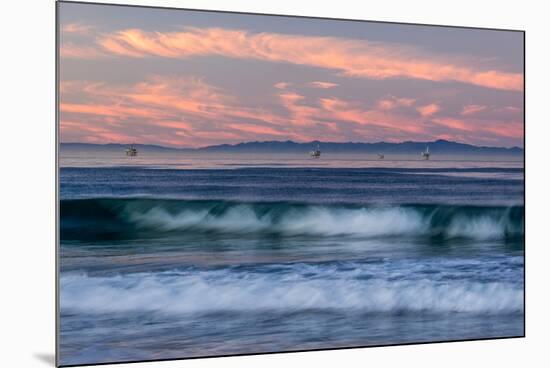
(170,255)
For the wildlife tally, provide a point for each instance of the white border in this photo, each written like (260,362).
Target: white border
(27,167)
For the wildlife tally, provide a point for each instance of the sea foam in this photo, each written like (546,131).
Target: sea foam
(294,288)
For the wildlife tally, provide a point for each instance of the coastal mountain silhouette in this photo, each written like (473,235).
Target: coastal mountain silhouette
(439,146)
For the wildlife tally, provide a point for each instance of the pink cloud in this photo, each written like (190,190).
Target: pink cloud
(281,85)
(77,28)
(428,110)
(92,133)
(351,57)
(113,110)
(178,125)
(479,128)
(70,50)
(187,111)
(392,102)
(509,130)
(166,105)
(455,124)
(256,129)
(472,109)
(323,85)
(512,109)
(334,109)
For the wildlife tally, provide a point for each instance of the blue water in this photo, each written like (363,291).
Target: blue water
(161,262)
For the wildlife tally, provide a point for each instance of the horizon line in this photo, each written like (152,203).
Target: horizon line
(288,141)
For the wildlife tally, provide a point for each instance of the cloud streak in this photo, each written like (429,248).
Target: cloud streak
(187,111)
(70,50)
(323,85)
(350,57)
(77,28)
(428,110)
(472,109)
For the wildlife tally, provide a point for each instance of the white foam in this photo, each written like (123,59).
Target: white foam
(225,290)
(322,221)
(482,227)
(360,222)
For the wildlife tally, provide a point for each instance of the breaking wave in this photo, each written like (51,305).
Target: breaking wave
(315,287)
(130,217)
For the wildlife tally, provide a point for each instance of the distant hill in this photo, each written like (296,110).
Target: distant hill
(437,147)
(440,146)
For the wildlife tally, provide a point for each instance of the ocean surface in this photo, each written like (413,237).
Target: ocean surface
(173,255)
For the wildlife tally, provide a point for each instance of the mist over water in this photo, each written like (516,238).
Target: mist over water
(170,255)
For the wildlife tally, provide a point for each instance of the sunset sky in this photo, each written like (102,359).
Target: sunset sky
(189,79)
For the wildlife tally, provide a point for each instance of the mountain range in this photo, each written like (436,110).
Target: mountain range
(440,146)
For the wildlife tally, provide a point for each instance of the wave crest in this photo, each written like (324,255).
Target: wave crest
(213,291)
(127,216)
(310,221)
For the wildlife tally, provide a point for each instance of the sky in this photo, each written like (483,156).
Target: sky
(185,78)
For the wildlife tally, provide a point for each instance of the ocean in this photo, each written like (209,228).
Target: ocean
(175,255)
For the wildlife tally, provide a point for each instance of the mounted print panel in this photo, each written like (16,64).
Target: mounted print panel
(237,183)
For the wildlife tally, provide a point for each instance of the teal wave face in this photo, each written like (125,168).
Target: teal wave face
(128,218)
